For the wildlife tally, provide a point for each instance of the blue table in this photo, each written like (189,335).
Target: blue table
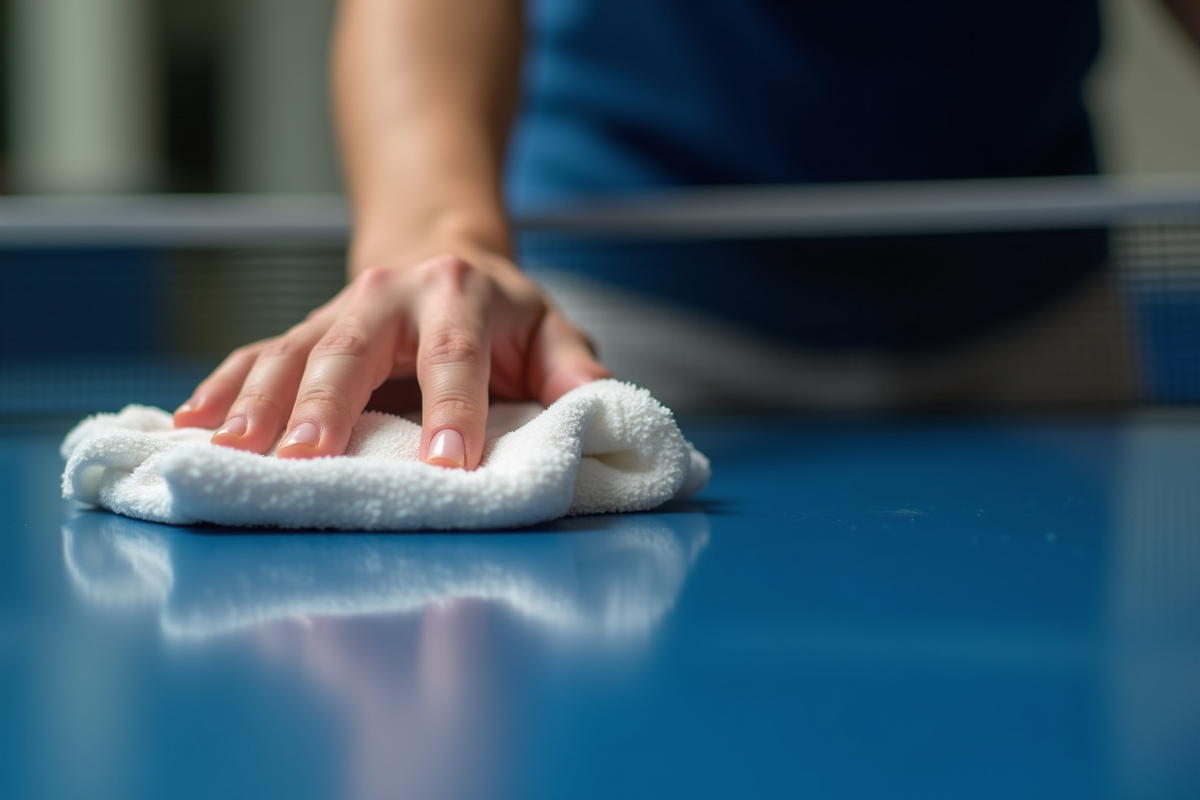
(853,609)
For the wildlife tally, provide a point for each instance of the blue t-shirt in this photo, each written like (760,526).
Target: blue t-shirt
(629,95)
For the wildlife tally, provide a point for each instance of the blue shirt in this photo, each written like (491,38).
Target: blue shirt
(630,95)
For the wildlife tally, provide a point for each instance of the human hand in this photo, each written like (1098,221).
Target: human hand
(461,325)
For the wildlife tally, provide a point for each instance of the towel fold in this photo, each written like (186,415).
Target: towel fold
(604,447)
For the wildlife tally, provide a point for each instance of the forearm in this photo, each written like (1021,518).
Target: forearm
(425,91)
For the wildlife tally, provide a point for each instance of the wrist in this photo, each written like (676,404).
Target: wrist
(413,241)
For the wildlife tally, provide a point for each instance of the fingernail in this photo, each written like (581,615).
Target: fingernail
(234,426)
(447,449)
(305,433)
(189,405)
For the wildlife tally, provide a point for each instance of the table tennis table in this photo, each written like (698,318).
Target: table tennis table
(924,607)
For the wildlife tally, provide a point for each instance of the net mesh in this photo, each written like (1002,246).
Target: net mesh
(94,329)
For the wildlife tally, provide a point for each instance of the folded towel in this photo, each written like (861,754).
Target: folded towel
(604,447)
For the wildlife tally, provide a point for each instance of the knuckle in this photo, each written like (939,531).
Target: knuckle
(454,406)
(451,347)
(342,343)
(281,347)
(448,271)
(257,398)
(449,265)
(373,278)
(324,402)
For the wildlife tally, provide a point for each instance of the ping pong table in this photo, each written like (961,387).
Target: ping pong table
(856,607)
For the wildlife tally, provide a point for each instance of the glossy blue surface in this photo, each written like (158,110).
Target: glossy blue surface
(924,609)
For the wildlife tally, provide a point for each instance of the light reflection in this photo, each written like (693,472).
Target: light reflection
(609,576)
(428,644)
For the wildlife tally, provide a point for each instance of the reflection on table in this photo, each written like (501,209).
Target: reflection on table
(394,627)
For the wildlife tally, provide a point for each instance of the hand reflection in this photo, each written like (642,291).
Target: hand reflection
(427,644)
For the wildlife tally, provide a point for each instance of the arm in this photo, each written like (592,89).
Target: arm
(425,92)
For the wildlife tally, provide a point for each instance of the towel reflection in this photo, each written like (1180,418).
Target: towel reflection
(608,576)
(426,644)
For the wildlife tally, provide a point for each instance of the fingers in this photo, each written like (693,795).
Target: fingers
(268,391)
(561,359)
(250,394)
(436,320)
(209,404)
(454,364)
(344,366)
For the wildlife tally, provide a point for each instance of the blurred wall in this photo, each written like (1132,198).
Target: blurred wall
(110,96)
(82,95)
(231,95)
(275,133)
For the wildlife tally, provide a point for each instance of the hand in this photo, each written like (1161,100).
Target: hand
(461,326)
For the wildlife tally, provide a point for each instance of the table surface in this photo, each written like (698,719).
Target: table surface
(853,609)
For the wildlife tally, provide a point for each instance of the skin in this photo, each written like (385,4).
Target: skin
(425,93)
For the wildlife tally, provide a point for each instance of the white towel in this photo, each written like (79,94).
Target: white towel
(604,447)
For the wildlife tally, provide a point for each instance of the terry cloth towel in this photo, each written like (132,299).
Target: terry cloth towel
(604,447)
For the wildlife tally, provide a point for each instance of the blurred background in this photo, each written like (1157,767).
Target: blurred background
(113,97)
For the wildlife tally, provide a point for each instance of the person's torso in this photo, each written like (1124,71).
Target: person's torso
(627,96)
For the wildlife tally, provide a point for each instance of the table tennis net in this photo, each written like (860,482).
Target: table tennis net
(95,328)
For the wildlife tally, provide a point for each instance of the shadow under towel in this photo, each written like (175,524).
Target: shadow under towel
(604,447)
